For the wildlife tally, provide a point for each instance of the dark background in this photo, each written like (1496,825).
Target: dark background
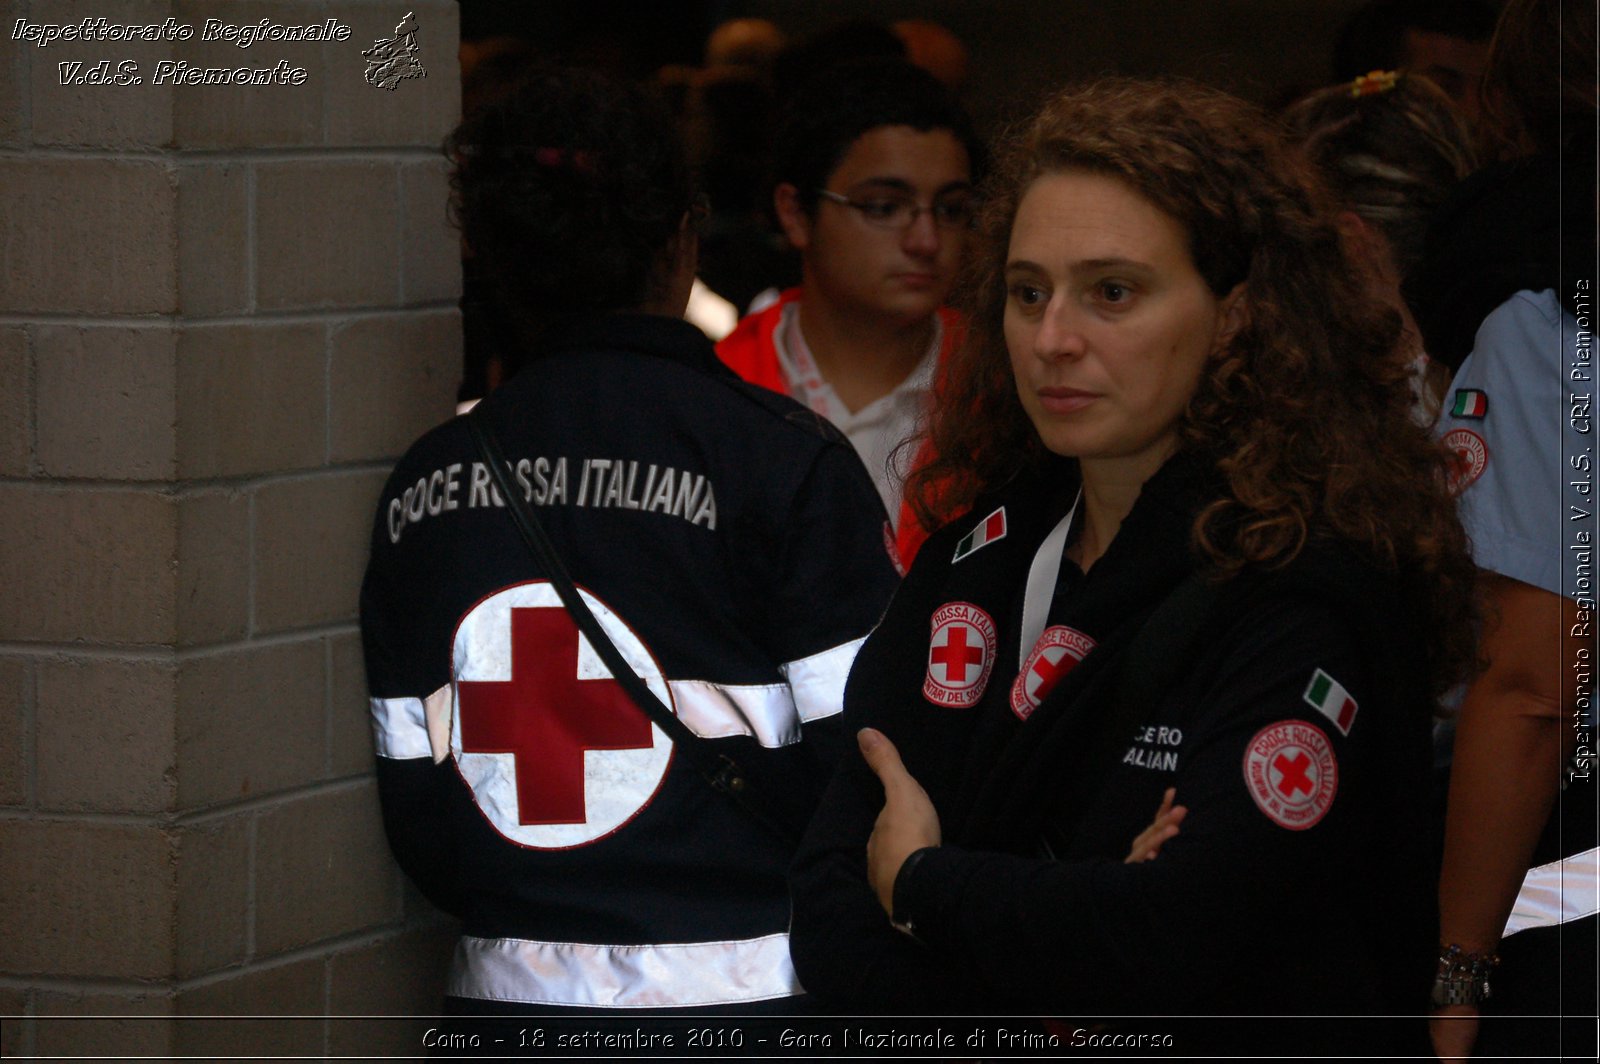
(1266,50)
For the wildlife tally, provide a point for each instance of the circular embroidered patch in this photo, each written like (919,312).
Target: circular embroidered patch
(1471,456)
(960,655)
(1057,652)
(1291,772)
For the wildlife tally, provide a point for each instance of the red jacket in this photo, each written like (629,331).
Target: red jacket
(752,352)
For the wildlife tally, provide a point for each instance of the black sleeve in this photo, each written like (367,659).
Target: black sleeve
(1237,900)
(413,791)
(835,574)
(833,580)
(845,951)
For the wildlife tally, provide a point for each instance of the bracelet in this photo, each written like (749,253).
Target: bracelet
(1463,977)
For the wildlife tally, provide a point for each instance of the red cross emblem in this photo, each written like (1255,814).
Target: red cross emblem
(960,655)
(1291,773)
(1057,652)
(535,709)
(1471,458)
(1292,777)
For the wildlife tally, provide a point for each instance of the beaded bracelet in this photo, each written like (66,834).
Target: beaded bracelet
(1463,977)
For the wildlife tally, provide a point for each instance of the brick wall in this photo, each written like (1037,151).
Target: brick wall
(223,312)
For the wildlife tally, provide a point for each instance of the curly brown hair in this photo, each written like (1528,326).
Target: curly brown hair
(1304,413)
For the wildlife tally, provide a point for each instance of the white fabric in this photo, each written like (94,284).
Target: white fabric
(818,680)
(1558,893)
(623,977)
(714,315)
(877,429)
(1042,577)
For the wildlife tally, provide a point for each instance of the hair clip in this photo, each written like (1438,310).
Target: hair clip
(1374,84)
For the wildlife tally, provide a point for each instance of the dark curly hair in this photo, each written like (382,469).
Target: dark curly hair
(1304,414)
(569,190)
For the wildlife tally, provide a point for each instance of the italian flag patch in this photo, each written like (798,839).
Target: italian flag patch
(1469,403)
(1325,695)
(989,529)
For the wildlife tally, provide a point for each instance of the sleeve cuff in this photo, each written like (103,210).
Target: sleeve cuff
(924,888)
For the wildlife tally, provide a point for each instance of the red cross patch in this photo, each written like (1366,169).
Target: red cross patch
(960,655)
(1057,652)
(1471,458)
(1291,772)
(554,751)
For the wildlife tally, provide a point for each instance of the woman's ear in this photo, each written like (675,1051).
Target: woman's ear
(1234,316)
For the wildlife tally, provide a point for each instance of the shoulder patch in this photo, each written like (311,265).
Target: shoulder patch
(1291,773)
(989,530)
(961,653)
(1057,653)
(1471,457)
(1328,697)
(1470,403)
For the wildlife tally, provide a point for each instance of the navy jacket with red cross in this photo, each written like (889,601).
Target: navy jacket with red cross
(733,547)
(1294,728)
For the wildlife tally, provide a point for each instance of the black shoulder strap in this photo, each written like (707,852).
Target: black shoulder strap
(721,771)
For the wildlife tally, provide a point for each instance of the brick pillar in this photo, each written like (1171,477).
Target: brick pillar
(224,310)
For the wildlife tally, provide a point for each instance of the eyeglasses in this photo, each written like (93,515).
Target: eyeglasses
(901,212)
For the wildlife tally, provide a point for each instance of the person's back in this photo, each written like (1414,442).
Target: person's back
(523,790)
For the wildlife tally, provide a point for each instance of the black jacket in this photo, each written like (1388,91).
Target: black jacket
(1299,882)
(703,516)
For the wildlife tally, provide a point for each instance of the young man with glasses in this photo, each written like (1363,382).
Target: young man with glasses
(875,169)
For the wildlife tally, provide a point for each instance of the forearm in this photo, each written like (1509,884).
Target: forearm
(1504,781)
(1510,742)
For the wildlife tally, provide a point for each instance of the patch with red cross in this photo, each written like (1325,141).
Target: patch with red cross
(1471,458)
(554,751)
(1291,772)
(1058,650)
(960,655)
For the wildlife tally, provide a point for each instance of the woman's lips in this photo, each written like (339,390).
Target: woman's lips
(1065,400)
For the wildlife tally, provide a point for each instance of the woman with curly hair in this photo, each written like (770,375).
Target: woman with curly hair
(1205,551)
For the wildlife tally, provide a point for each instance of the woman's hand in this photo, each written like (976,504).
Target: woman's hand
(1163,827)
(908,821)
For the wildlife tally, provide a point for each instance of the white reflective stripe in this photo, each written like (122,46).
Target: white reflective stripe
(411,727)
(1558,893)
(623,977)
(818,681)
(772,713)
(400,728)
(716,711)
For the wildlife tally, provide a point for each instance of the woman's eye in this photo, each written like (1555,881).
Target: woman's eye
(1028,295)
(1112,292)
